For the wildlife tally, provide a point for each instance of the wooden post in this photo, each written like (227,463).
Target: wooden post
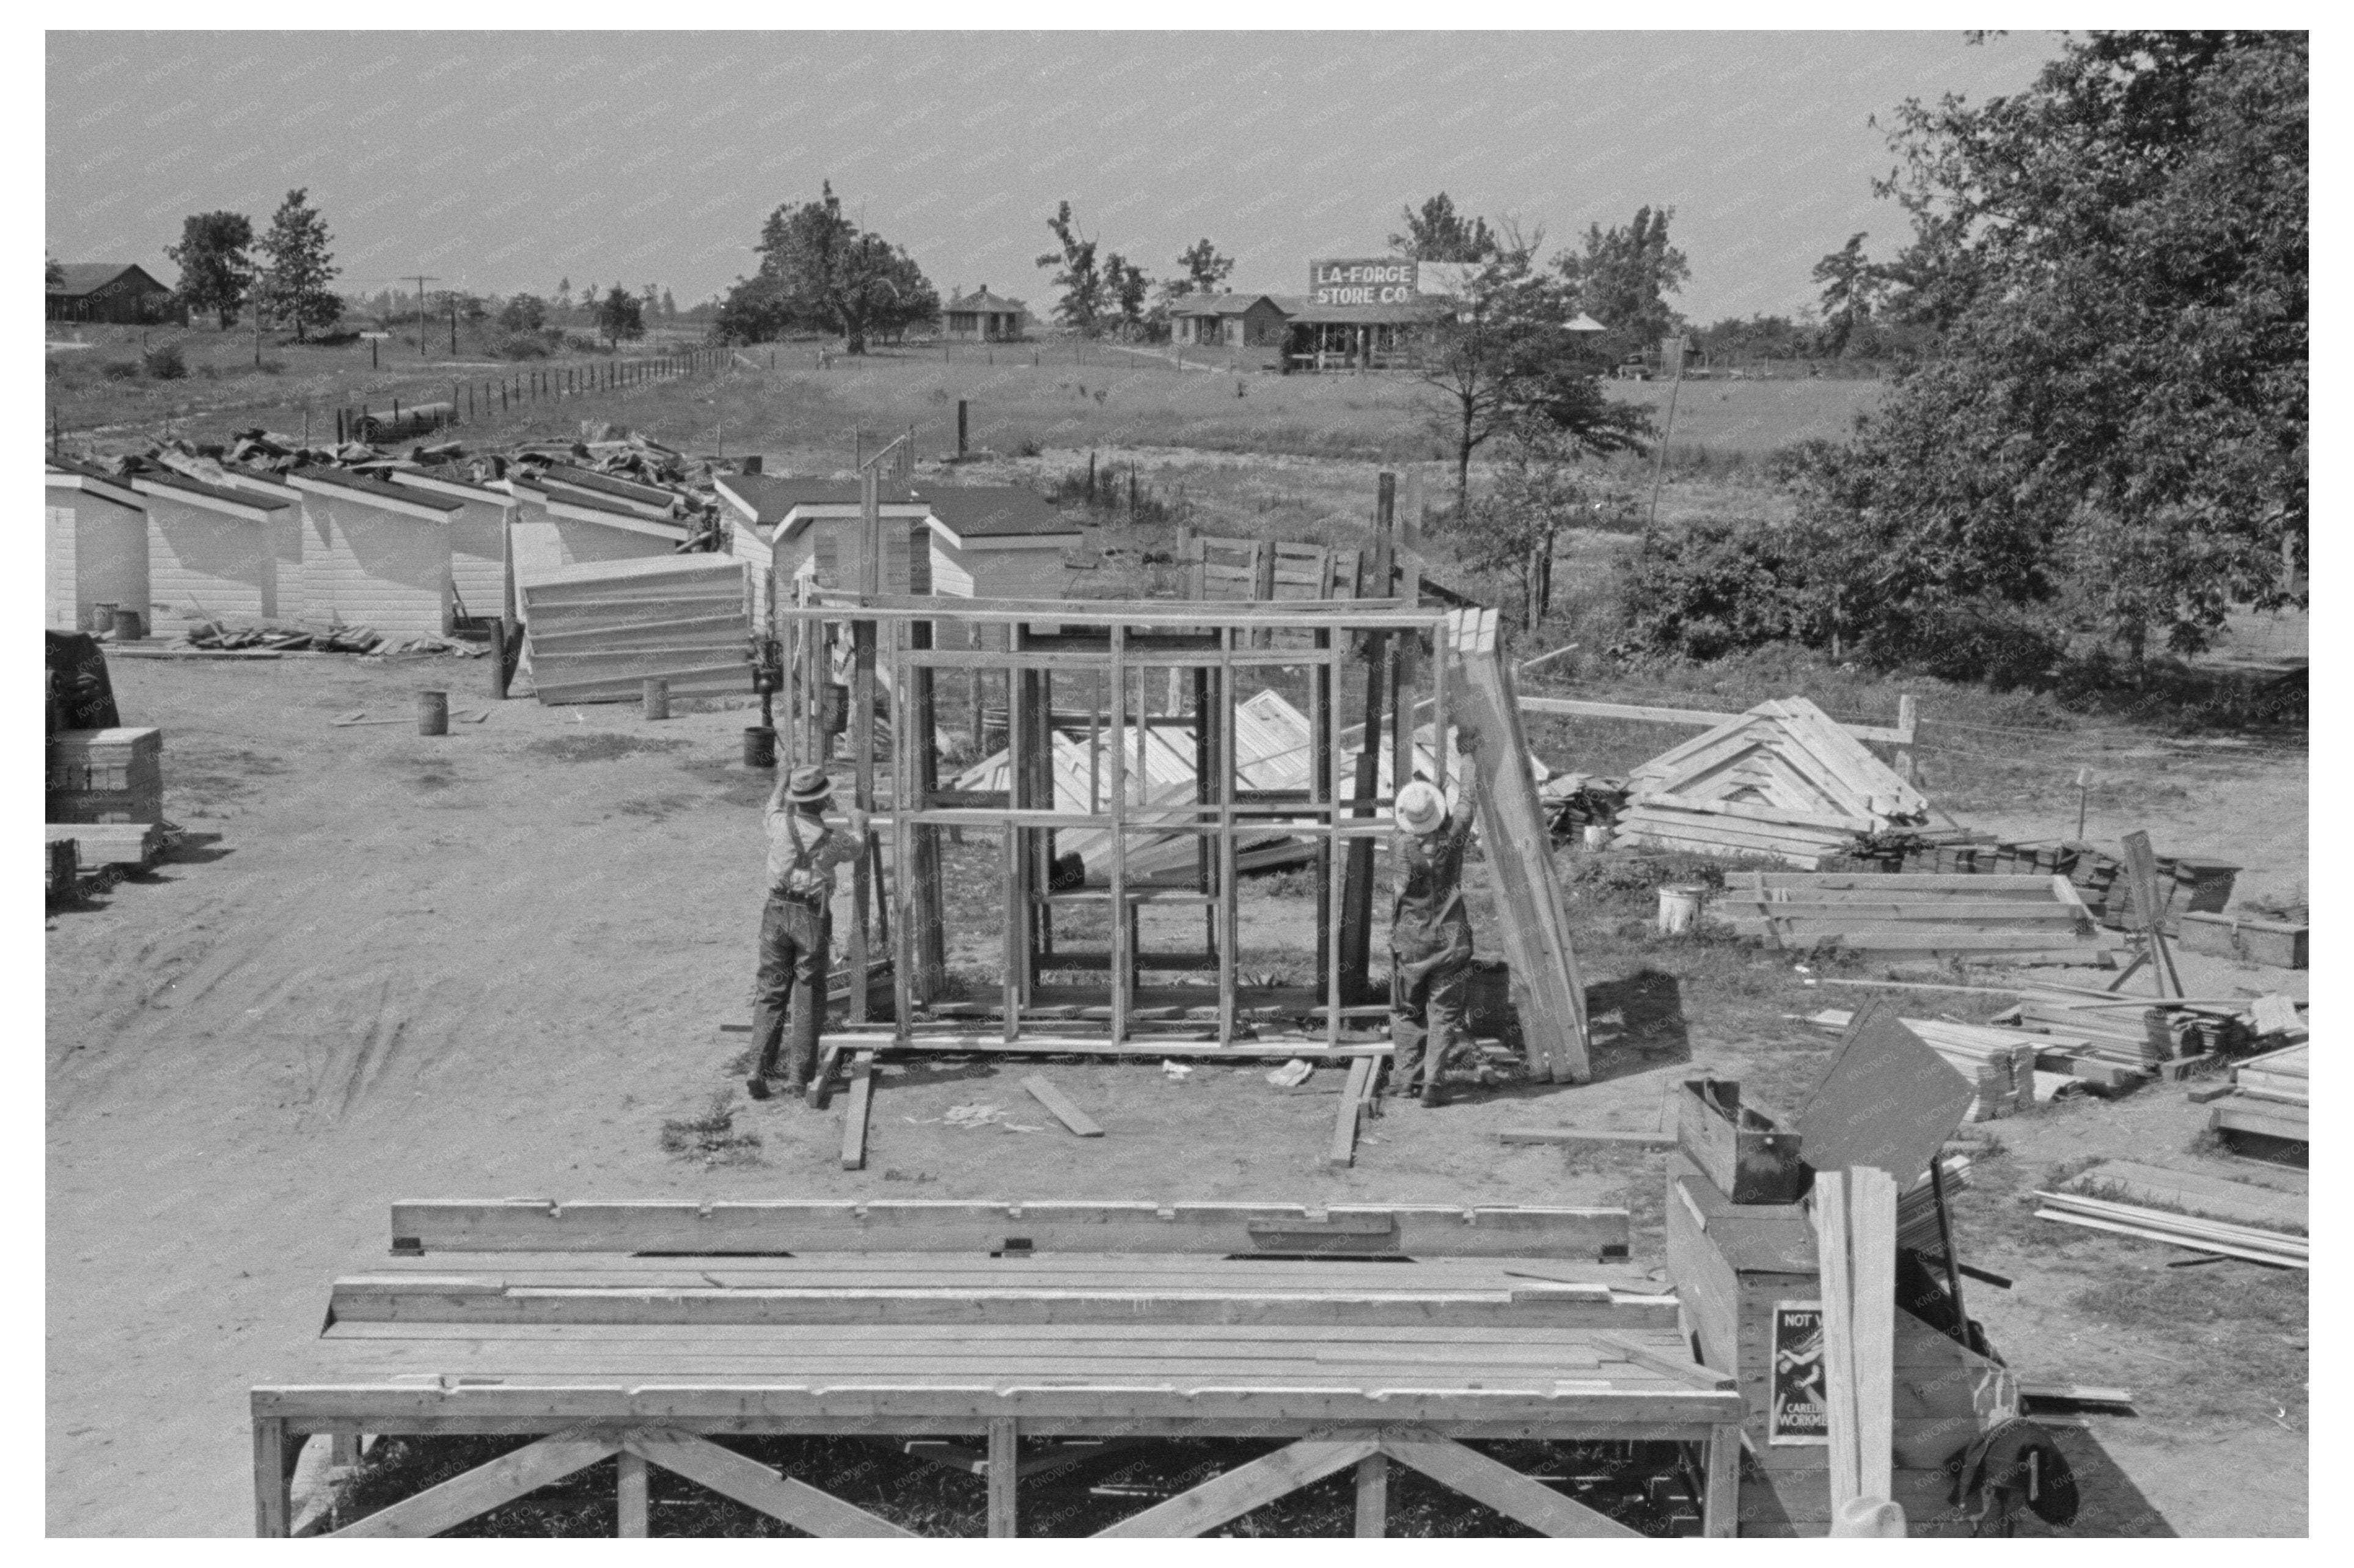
(1373,1496)
(1357,910)
(271,1498)
(1004,1472)
(862,732)
(1405,667)
(631,1496)
(924,779)
(1907,718)
(960,427)
(1721,1499)
(1829,1212)
(1122,954)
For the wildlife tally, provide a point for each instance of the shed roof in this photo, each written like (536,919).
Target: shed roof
(1429,308)
(394,495)
(994,512)
(90,477)
(196,489)
(771,498)
(980,299)
(89,277)
(1222,305)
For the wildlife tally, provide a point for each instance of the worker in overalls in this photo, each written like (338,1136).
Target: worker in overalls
(797,925)
(1430,936)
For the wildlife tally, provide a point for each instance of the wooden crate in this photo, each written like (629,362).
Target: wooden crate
(1740,1150)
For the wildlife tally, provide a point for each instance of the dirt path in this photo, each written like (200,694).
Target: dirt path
(466,966)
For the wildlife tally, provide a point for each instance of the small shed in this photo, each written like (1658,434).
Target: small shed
(998,542)
(374,555)
(790,528)
(1228,320)
(95,543)
(286,530)
(480,578)
(121,293)
(983,317)
(549,531)
(210,548)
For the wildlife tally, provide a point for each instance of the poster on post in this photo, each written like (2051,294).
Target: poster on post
(1799,1411)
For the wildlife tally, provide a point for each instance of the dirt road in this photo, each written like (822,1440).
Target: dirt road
(493,964)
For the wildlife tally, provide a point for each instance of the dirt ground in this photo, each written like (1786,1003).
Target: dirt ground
(495,963)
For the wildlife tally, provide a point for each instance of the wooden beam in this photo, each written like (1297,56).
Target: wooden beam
(272,1503)
(1872,1276)
(756,1486)
(1828,1211)
(1570,1135)
(854,1110)
(1501,1488)
(1721,1499)
(1004,1475)
(629,1496)
(1372,1497)
(1054,1101)
(1344,1151)
(1247,1487)
(484,1488)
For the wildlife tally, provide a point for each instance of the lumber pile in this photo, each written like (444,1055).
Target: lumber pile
(105,776)
(96,844)
(1901,918)
(1782,781)
(1999,1063)
(2205,1213)
(2144,1034)
(2269,1096)
(1916,1206)
(597,631)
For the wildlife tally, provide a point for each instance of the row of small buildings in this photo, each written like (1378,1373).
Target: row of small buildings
(411,552)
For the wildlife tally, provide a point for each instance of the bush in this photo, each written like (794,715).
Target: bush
(164,362)
(1715,588)
(520,345)
(119,370)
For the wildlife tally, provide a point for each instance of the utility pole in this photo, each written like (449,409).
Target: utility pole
(1660,464)
(454,325)
(422,279)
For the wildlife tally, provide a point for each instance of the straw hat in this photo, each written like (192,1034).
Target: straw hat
(808,785)
(1420,807)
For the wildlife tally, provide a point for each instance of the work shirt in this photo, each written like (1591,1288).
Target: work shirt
(1426,872)
(796,838)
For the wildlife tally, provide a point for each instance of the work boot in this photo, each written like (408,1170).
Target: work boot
(758,1087)
(1432,1096)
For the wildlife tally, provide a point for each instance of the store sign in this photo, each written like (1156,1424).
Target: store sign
(1800,1411)
(1372,280)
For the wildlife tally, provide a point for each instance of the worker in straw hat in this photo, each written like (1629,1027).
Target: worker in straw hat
(797,924)
(1430,936)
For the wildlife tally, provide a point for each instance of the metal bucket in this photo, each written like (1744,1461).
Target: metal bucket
(1680,908)
(1596,836)
(433,713)
(127,628)
(760,747)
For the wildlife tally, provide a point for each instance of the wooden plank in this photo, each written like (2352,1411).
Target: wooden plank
(1247,1487)
(271,1502)
(756,1486)
(1500,1487)
(855,1111)
(629,1496)
(1343,1150)
(1680,1368)
(1828,1211)
(1740,809)
(1005,1475)
(484,1488)
(1595,1136)
(1054,1101)
(1372,1497)
(1871,1237)
(1907,883)
(1721,1495)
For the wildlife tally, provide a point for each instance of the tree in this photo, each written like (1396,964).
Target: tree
(1205,271)
(300,269)
(620,314)
(1851,286)
(1503,363)
(563,301)
(53,276)
(1081,282)
(1126,289)
(216,273)
(523,313)
(818,270)
(668,306)
(1438,233)
(1514,530)
(1622,278)
(2117,416)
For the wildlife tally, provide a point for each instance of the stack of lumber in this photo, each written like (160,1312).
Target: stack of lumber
(1916,1206)
(105,776)
(99,844)
(2205,1213)
(1999,1063)
(2136,1032)
(2270,1096)
(599,631)
(1900,919)
(1782,781)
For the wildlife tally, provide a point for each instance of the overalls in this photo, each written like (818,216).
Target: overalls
(796,932)
(1430,952)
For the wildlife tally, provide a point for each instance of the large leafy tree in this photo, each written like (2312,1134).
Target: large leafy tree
(1851,285)
(1438,233)
(216,273)
(2116,415)
(818,270)
(1622,277)
(620,314)
(1126,289)
(1205,270)
(1077,274)
(1503,363)
(294,287)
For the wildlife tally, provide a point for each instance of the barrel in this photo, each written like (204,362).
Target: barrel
(433,713)
(1679,908)
(657,697)
(101,615)
(127,628)
(759,746)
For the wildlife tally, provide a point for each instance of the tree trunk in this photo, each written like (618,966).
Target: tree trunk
(1463,444)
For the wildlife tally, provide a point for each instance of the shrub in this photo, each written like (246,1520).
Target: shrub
(1715,588)
(164,362)
(119,370)
(520,345)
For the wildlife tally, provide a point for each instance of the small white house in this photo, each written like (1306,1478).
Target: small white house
(479,575)
(790,529)
(286,536)
(374,555)
(212,551)
(548,532)
(95,543)
(998,542)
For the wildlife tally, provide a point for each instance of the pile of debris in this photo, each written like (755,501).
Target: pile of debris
(335,639)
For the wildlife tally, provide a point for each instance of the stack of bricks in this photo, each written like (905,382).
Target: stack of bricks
(106,776)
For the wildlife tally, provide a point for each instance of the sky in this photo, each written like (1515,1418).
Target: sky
(499,162)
